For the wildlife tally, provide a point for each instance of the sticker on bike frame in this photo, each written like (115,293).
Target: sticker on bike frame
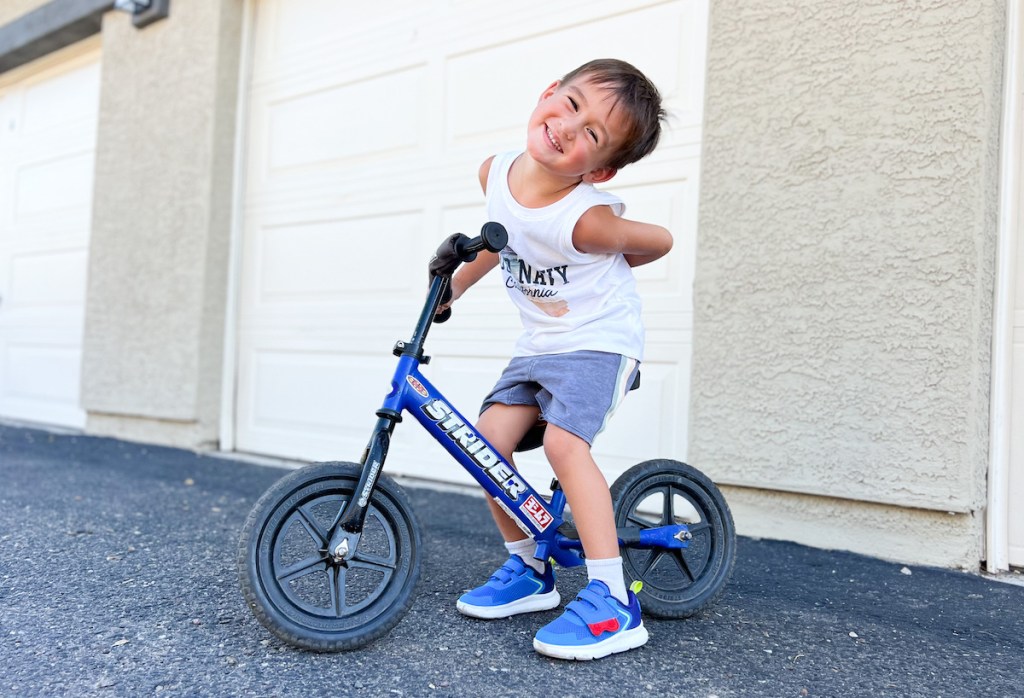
(474,447)
(537,513)
(417,386)
(511,515)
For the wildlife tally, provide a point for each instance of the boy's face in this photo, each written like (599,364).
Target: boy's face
(575,129)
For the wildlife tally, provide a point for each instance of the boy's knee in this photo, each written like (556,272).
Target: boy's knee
(561,445)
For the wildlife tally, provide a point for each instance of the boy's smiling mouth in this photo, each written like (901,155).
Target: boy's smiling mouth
(551,138)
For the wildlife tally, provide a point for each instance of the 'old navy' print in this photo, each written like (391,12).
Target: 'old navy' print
(538,285)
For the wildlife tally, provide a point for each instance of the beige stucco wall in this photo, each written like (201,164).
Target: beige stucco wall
(160,239)
(845,270)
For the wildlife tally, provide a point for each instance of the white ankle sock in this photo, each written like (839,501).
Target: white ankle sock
(609,571)
(525,549)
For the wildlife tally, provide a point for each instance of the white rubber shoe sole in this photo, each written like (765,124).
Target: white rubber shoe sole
(527,604)
(626,640)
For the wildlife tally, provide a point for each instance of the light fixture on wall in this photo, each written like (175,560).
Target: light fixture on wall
(144,12)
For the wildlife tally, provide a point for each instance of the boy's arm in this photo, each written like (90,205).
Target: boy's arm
(600,231)
(468,274)
(484,172)
(471,272)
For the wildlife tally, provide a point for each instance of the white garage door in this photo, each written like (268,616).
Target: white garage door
(48,114)
(366,129)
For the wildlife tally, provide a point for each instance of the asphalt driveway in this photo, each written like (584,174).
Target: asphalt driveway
(117,577)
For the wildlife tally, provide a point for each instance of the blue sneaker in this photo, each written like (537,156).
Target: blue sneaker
(595,625)
(515,588)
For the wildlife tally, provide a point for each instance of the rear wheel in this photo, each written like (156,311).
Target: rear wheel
(677,583)
(297,590)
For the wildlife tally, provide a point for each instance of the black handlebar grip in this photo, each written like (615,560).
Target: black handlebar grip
(459,248)
(494,236)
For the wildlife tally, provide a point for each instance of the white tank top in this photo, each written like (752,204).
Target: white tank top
(568,300)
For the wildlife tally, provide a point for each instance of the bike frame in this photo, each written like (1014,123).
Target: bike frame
(412,393)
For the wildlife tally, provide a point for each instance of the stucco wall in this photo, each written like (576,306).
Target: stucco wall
(845,262)
(161,219)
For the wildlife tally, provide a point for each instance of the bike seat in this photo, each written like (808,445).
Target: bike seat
(533,438)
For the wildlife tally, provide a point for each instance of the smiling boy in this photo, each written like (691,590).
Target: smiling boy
(567,269)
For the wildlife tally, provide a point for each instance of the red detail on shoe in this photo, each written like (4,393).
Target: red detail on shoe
(612,625)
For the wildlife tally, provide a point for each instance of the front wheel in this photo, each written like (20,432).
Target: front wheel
(677,583)
(297,590)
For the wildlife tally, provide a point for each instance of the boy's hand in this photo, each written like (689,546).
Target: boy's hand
(455,291)
(468,275)
(446,260)
(444,263)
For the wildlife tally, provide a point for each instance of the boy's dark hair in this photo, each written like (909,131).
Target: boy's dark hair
(637,95)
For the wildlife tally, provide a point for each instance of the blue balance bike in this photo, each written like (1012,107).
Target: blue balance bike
(329,556)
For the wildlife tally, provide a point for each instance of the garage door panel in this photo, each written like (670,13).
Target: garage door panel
(658,38)
(46,279)
(54,101)
(314,392)
(44,370)
(299,28)
(54,187)
(317,403)
(332,260)
(372,117)
(40,371)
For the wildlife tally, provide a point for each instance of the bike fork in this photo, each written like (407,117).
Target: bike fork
(349,526)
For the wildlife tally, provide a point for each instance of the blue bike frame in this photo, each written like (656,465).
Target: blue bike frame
(412,393)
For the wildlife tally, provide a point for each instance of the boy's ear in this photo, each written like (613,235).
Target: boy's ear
(601,174)
(549,90)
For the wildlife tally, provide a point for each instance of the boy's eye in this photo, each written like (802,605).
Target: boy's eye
(592,134)
(575,107)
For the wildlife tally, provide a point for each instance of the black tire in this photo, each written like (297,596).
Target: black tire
(677,583)
(294,588)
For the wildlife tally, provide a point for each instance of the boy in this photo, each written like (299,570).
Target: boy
(567,269)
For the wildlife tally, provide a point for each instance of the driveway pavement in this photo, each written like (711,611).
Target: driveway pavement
(117,578)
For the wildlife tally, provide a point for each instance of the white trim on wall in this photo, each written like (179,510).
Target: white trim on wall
(61,58)
(1010,166)
(229,381)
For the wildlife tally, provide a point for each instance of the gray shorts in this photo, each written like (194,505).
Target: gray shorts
(577,391)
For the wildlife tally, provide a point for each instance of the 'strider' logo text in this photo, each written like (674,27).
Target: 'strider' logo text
(475,448)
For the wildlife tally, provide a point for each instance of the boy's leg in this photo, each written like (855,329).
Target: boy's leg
(523,584)
(504,427)
(586,488)
(605,617)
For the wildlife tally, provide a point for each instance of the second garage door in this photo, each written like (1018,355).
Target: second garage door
(48,114)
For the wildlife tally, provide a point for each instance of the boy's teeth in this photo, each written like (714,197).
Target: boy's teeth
(554,142)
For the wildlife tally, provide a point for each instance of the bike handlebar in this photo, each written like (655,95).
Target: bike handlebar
(493,238)
(459,248)
(454,251)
